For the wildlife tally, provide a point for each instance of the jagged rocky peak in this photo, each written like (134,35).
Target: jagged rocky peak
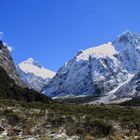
(128,46)
(32,62)
(7,63)
(4,50)
(33,74)
(32,66)
(128,38)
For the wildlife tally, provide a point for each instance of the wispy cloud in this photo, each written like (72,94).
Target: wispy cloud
(10,48)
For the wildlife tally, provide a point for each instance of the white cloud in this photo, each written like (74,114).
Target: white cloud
(10,48)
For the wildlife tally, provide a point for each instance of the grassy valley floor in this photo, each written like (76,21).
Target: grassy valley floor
(63,121)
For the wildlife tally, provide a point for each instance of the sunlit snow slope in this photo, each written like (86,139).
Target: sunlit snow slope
(33,74)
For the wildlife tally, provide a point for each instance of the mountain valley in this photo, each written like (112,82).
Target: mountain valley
(94,96)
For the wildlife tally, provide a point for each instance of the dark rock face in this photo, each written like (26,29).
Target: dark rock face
(10,90)
(130,89)
(7,63)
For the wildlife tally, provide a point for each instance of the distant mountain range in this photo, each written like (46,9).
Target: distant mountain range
(108,72)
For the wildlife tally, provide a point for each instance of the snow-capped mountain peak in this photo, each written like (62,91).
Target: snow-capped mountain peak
(129,39)
(99,70)
(33,74)
(105,50)
(31,61)
(127,33)
(32,66)
(128,46)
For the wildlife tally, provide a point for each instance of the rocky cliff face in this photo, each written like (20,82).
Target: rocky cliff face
(7,63)
(130,89)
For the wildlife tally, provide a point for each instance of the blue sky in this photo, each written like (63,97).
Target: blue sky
(52,31)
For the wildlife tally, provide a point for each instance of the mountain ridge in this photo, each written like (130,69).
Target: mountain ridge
(6,61)
(97,70)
